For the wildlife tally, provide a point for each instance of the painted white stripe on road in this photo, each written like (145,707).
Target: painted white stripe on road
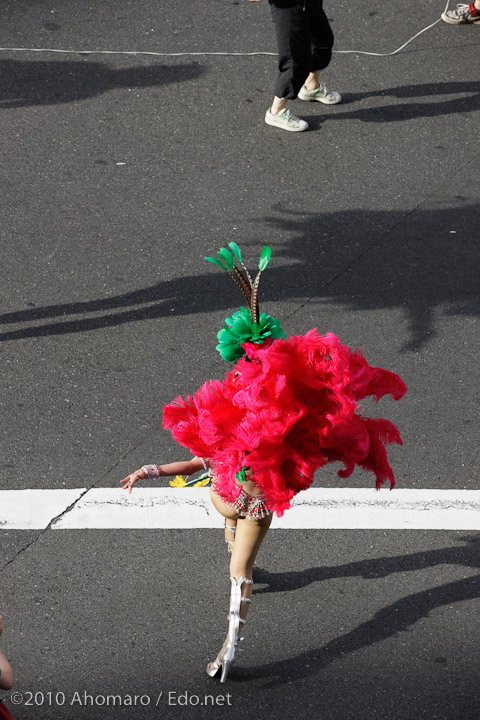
(170,508)
(361,508)
(148,508)
(34,509)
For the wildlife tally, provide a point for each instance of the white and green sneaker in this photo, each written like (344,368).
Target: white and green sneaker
(285,120)
(321,94)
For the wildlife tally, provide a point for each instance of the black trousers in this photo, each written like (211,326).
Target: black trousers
(305,41)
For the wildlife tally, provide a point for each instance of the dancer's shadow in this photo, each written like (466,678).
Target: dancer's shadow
(409,262)
(183,295)
(387,622)
(46,82)
(337,258)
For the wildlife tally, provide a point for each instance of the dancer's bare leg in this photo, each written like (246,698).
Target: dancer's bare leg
(230,516)
(248,539)
(230,532)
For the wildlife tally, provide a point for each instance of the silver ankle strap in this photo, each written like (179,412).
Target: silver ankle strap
(230,542)
(241,580)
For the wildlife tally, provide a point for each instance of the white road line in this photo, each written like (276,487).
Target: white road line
(34,509)
(170,508)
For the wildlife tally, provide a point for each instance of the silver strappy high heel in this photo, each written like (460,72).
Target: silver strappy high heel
(227,656)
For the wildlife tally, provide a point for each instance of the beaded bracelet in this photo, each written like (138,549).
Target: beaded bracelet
(152,471)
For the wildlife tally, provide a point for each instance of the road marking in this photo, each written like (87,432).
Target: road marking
(171,508)
(34,509)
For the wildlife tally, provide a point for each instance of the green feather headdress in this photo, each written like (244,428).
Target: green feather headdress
(244,326)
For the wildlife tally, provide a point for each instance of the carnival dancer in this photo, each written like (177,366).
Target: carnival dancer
(289,406)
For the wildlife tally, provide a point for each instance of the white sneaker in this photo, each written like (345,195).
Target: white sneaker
(463,14)
(321,94)
(285,120)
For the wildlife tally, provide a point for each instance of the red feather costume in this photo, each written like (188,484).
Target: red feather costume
(284,411)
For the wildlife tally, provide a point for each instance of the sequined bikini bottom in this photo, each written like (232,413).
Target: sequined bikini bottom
(251,507)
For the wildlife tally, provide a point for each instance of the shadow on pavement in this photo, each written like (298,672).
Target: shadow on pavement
(41,82)
(469,101)
(421,263)
(387,622)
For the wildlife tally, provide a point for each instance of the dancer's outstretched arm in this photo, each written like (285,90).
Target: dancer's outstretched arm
(185,467)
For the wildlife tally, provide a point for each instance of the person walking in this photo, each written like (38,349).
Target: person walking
(305,41)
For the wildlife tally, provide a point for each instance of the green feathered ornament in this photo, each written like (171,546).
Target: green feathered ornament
(244,326)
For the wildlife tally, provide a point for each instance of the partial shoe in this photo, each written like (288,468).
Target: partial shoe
(285,120)
(226,656)
(213,667)
(321,94)
(463,14)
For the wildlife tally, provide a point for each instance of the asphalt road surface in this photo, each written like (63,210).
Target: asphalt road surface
(118,174)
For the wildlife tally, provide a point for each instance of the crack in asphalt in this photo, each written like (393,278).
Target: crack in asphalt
(22,550)
(67,510)
(45,530)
